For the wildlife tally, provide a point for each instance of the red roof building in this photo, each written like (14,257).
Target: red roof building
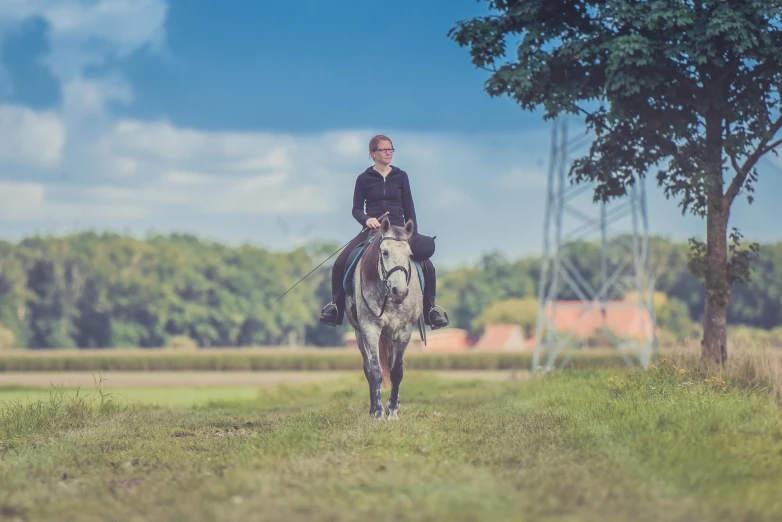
(502,337)
(624,319)
(447,340)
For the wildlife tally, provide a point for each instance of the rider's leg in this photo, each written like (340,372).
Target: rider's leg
(434,315)
(331,312)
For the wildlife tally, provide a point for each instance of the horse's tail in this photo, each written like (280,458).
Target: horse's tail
(385,356)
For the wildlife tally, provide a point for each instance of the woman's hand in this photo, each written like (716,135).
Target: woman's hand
(373,223)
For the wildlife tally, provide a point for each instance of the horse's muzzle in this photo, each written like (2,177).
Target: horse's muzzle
(397,295)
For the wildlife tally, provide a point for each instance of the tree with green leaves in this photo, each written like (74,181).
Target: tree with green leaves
(521,311)
(690,88)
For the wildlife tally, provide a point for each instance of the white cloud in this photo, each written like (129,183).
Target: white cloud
(164,143)
(87,33)
(179,179)
(123,166)
(148,169)
(21,200)
(127,24)
(277,158)
(158,140)
(201,194)
(30,138)
(289,173)
(88,97)
(351,144)
(232,195)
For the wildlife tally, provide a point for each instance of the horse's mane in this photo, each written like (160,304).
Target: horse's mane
(371,254)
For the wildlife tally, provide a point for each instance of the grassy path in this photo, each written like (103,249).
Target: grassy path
(577,446)
(113,379)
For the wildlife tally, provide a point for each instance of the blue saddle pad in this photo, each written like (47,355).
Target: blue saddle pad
(353,257)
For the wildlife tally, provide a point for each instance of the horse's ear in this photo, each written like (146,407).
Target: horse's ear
(409,228)
(385,226)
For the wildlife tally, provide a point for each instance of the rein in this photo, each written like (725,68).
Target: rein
(386,275)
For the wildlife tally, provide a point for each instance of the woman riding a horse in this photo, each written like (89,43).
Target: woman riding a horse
(379,189)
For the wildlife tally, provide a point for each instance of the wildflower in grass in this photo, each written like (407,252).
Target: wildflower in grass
(682,371)
(716,382)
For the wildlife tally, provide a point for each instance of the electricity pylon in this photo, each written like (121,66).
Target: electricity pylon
(570,302)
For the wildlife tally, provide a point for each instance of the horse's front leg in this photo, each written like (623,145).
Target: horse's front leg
(370,339)
(397,371)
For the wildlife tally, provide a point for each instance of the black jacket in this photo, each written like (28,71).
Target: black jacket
(391,194)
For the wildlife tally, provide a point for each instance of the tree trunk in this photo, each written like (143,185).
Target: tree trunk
(715,313)
(717,282)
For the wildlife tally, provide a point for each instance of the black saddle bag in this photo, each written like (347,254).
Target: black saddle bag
(422,247)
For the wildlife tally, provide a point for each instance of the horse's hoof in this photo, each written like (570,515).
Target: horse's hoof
(378,414)
(393,414)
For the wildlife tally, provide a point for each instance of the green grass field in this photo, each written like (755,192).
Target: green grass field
(579,445)
(156,396)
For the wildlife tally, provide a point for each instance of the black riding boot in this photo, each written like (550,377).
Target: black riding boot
(330,313)
(435,316)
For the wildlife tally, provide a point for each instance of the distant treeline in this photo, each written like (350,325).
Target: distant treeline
(468,291)
(106,290)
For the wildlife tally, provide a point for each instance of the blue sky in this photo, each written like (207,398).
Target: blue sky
(249,123)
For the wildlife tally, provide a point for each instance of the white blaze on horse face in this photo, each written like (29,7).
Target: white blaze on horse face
(395,253)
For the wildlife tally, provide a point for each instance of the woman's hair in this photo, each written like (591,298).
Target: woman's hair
(377,139)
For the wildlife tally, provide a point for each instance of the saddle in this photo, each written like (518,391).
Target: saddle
(422,248)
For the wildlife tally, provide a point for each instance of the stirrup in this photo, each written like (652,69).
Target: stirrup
(326,319)
(431,323)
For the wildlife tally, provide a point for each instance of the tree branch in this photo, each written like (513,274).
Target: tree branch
(743,171)
(580,108)
(591,115)
(774,145)
(734,162)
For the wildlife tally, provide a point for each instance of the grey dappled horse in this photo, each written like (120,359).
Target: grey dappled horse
(388,301)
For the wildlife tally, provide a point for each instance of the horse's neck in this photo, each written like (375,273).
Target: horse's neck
(373,292)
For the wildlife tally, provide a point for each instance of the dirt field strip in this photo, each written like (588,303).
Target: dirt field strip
(157,379)
(129,379)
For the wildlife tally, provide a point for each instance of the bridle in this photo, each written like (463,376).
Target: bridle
(386,275)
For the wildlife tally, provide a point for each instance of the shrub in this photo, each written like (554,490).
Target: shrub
(6,338)
(182,343)
(520,311)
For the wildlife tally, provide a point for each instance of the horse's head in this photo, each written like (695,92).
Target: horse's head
(391,249)
(394,259)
